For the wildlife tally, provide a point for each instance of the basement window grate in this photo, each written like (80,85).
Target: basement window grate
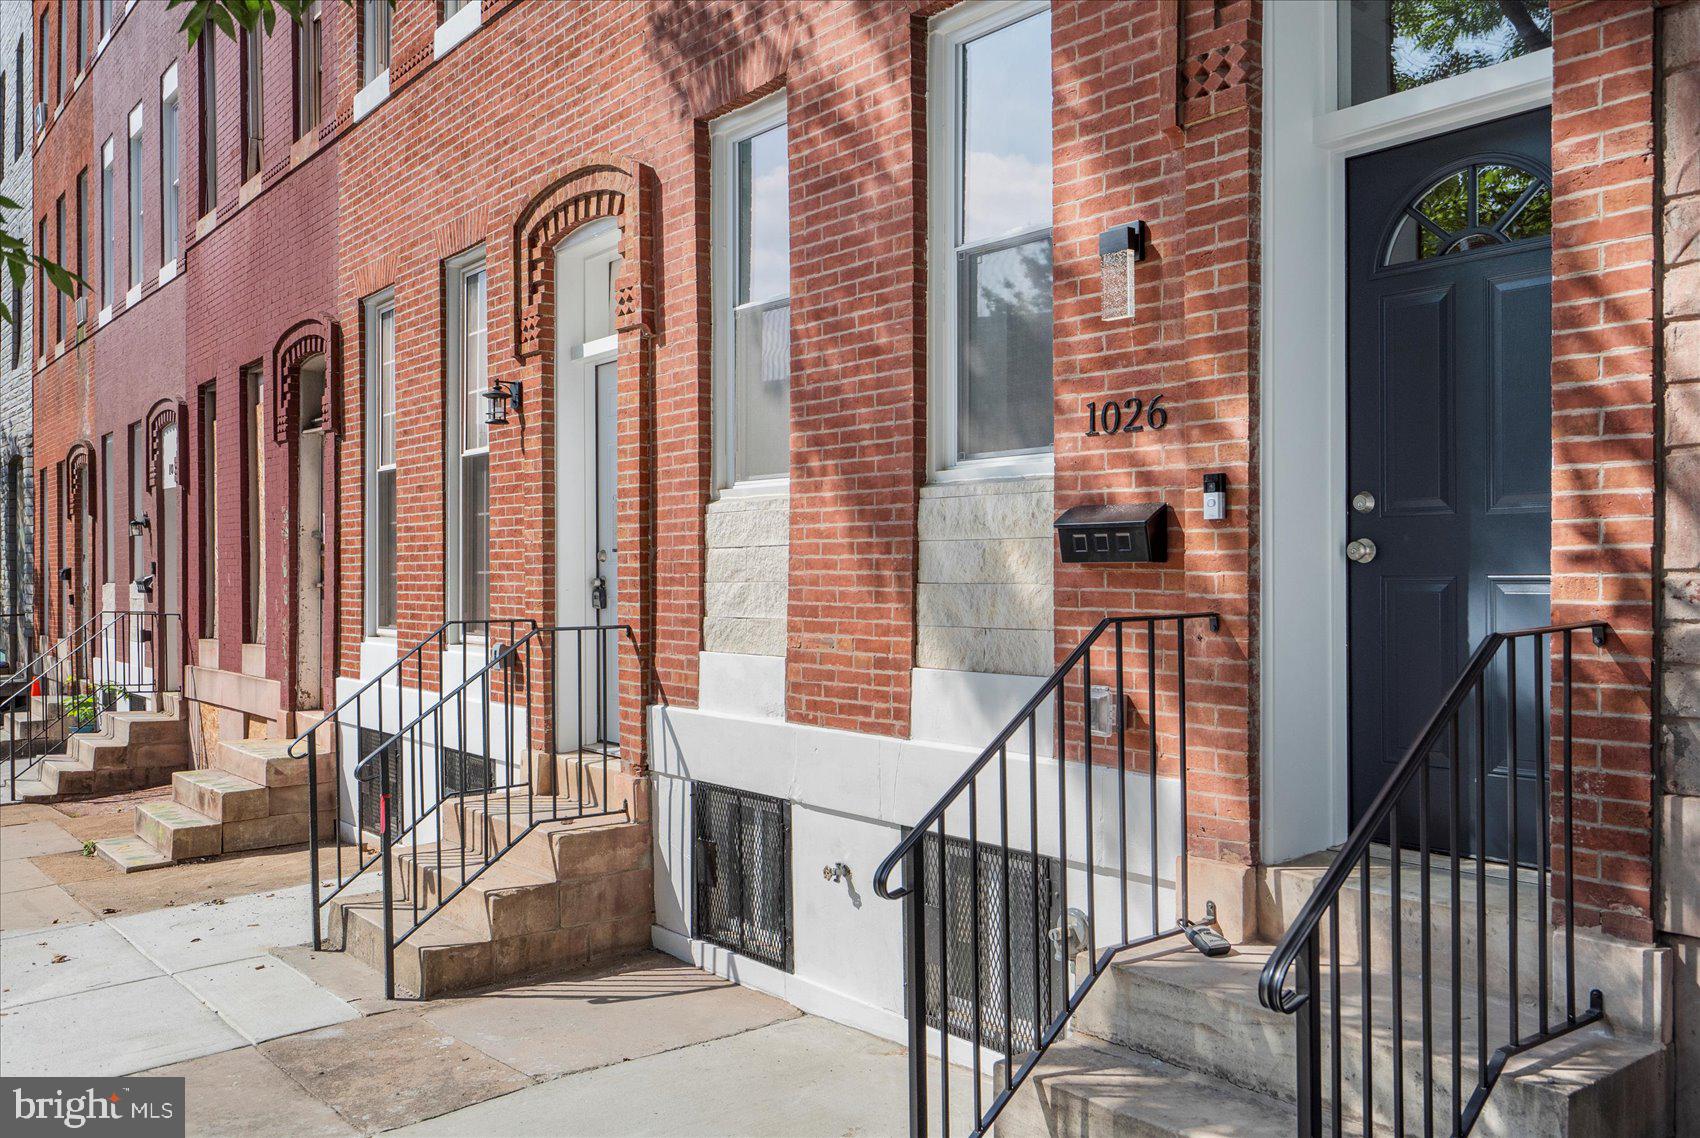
(1018,932)
(741,872)
(370,741)
(465,772)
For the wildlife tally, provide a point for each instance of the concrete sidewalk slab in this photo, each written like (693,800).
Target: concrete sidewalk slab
(219,931)
(29,910)
(88,957)
(21,873)
(19,813)
(239,1094)
(112,1031)
(389,1070)
(263,998)
(803,1078)
(345,977)
(651,1004)
(32,839)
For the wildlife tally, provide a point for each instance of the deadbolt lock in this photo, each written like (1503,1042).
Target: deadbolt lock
(1361,550)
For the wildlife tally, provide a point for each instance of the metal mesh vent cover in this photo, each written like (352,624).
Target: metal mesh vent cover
(742,872)
(370,740)
(1017,932)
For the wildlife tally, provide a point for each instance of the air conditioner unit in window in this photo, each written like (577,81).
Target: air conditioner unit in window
(41,116)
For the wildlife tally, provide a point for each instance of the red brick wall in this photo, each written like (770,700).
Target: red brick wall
(1192,340)
(1603,436)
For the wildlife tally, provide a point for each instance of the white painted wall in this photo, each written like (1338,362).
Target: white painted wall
(851,795)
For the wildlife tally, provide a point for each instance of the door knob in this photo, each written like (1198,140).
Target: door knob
(1361,550)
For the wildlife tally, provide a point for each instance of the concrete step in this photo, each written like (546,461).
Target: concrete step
(220,795)
(267,762)
(442,957)
(177,831)
(130,854)
(564,850)
(1203,1014)
(502,900)
(1287,888)
(1085,1088)
(599,783)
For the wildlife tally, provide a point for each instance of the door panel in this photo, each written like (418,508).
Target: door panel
(1449,410)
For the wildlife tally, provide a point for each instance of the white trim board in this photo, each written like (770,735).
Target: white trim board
(1302,414)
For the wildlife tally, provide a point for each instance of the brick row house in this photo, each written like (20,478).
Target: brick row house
(1102,482)
(17,469)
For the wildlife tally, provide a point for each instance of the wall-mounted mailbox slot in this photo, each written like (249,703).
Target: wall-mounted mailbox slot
(1138,532)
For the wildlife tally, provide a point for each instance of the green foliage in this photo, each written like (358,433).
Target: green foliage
(229,16)
(1450,37)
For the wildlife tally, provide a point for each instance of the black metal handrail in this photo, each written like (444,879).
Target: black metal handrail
(1030,918)
(113,657)
(446,640)
(1291,981)
(493,700)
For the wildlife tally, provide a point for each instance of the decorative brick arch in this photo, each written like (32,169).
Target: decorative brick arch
(314,336)
(601,188)
(165,413)
(80,479)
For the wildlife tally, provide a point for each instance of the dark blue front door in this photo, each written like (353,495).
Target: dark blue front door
(1449,455)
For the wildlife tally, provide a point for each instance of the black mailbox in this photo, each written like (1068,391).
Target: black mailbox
(1138,532)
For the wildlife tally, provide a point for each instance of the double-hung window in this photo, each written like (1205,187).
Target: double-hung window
(309,51)
(82,230)
(375,40)
(989,136)
(108,226)
(169,200)
(208,98)
(380,463)
(469,441)
(136,198)
(253,102)
(752,295)
(59,327)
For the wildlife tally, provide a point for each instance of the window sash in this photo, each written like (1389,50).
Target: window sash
(135,208)
(108,224)
(469,464)
(375,26)
(309,47)
(209,124)
(381,466)
(752,332)
(954,376)
(169,198)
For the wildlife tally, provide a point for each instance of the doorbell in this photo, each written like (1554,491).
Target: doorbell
(1215,497)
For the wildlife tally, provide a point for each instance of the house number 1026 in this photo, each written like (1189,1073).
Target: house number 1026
(1123,416)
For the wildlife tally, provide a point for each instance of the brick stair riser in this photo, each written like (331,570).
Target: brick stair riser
(1290,891)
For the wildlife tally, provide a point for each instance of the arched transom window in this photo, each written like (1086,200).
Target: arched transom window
(1484,204)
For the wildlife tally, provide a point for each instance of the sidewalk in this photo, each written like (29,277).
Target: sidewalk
(276,1039)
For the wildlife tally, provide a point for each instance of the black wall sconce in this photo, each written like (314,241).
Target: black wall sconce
(140,526)
(65,574)
(1119,250)
(501,394)
(145,584)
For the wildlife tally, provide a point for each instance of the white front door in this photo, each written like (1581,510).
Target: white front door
(586,557)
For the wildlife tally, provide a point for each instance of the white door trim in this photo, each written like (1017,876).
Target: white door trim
(1302,413)
(576,362)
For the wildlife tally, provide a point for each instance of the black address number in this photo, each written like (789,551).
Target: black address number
(1123,416)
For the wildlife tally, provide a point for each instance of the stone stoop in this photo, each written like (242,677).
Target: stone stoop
(132,750)
(1169,1042)
(565,894)
(254,796)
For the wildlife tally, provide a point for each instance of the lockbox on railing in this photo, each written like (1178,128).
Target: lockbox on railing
(1132,532)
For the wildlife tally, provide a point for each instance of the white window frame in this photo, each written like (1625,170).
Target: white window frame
(375,85)
(108,228)
(949,32)
(375,306)
(170,175)
(133,206)
(455,271)
(456,28)
(725,134)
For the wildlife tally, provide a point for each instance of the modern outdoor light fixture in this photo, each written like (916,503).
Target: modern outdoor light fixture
(140,526)
(501,394)
(1119,249)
